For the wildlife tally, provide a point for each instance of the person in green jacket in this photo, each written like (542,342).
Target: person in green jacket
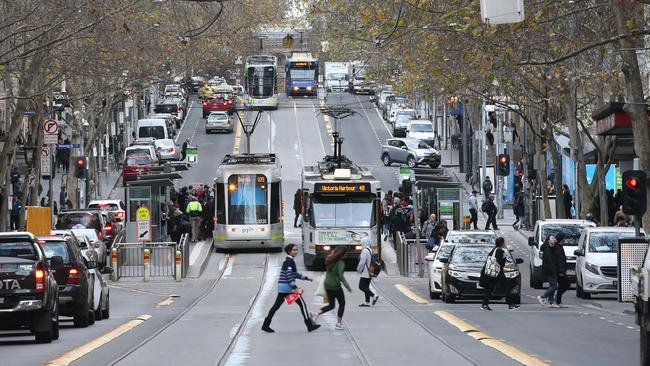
(333,280)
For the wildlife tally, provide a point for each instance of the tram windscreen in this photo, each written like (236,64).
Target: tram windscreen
(247,199)
(260,82)
(342,212)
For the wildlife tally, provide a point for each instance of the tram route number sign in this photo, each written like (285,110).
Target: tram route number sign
(342,188)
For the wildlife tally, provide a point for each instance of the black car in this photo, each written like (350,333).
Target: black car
(28,288)
(86,219)
(73,278)
(462,271)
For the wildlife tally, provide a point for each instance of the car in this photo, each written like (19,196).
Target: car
(73,278)
(393,102)
(92,241)
(117,207)
(446,245)
(174,90)
(572,229)
(83,218)
(597,260)
(135,165)
(28,287)
(400,121)
(168,150)
(218,103)
(171,106)
(421,129)
(151,129)
(462,271)
(112,227)
(139,147)
(196,82)
(410,151)
(218,121)
(171,125)
(205,91)
(383,95)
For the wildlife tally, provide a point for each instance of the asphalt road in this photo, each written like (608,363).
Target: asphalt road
(216,319)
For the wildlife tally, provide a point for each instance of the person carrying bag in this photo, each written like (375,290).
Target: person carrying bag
(492,275)
(366,274)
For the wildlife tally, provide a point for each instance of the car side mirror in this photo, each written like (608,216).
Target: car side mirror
(519,261)
(531,242)
(91,264)
(511,250)
(579,252)
(56,262)
(404,148)
(430,257)
(443,260)
(106,270)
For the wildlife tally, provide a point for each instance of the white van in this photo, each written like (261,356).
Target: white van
(421,129)
(151,129)
(597,260)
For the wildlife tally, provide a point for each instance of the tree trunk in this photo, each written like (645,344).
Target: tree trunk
(541,171)
(636,106)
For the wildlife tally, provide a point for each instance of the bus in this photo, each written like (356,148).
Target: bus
(301,75)
(340,207)
(248,203)
(261,82)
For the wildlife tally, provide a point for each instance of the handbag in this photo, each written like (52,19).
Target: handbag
(320,289)
(375,265)
(293,297)
(492,267)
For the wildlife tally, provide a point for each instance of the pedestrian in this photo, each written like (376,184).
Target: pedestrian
(14,214)
(441,231)
(286,286)
(333,280)
(568,201)
(387,205)
(14,177)
(519,211)
(297,207)
(487,187)
(184,148)
(491,210)
(208,217)
(620,218)
(428,231)
(561,265)
(549,271)
(473,209)
(194,210)
(66,156)
(365,259)
(490,283)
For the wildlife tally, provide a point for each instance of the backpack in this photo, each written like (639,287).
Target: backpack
(492,267)
(375,265)
(484,206)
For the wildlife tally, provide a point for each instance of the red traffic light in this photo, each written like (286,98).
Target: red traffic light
(632,182)
(503,159)
(81,162)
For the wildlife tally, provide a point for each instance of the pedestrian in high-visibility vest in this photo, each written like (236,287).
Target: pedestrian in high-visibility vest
(194,209)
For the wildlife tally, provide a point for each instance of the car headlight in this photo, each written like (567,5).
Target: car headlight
(457,274)
(309,88)
(295,88)
(511,274)
(357,87)
(592,268)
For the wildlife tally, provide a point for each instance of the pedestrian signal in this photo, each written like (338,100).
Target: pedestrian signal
(634,192)
(504,165)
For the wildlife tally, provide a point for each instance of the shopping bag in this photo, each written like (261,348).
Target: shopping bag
(320,289)
(293,297)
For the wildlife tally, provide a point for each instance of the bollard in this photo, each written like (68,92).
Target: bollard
(114,264)
(147,268)
(178,271)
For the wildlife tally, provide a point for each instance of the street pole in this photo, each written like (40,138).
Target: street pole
(483,146)
(52,148)
(499,150)
(417,225)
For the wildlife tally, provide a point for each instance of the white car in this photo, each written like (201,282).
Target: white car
(446,246)
(597,260)
(101,292)
(167,150)
(93,242)
(218,121)
(117,207)
(421,129)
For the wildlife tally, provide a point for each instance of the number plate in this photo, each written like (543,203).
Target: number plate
(571,272)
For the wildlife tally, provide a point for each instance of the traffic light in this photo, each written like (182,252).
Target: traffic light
(504,165)
(80,167)
(634,192)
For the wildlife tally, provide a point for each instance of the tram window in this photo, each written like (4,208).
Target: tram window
(247,199)
(221,203)
(345,212)
(276,202)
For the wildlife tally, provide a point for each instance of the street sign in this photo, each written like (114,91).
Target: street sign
(46,166)
(29,113)
(143,224)
(192,154)
(238,60)
(50,132)
(68,146)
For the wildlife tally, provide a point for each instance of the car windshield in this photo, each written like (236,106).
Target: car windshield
(571,231)
(165,142)
(53,248)
(75,220)
(138,151)
(416,145)
(421,127)
(471,238)
(402,118)
(108,206)
(157,132)
(217,117)
(444,251)
(18,249)
(337,76)
(607,242)
(88,233)
(342,212)
(138,160)
(166,108)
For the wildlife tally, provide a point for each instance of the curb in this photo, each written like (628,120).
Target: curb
(389,256)
(202,260)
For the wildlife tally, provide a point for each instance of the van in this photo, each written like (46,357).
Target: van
(597,260)
(150,129)
(421,129)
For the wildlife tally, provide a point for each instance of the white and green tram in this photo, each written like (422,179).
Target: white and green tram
(261,82)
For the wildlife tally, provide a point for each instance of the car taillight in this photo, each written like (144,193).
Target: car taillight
(119,214)
(205,102)
(73,276)
(108,228)
(99,233)
(39,278)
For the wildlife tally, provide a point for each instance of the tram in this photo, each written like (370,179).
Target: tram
(248,202)
(301,75)
(341,205)
(261,81)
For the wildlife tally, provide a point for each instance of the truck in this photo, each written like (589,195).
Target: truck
(336,76)
(357,82)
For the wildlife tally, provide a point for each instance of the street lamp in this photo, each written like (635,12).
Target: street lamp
(29,149)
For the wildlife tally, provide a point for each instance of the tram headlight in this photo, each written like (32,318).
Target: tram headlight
(295,88)
(358,247)
(326,247)
(309,88)
(232,187)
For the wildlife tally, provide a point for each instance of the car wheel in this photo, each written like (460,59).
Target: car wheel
(46,335)
(583,294)
(433,295)
(55,321)
(435,165)
(386,160)
(98,312)
(82,318)
(410,161)
(91,317)
(106,313)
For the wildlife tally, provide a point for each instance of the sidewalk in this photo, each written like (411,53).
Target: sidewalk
(107,183)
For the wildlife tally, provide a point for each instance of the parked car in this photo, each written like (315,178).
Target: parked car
(597,260)
(174,91)
(462,271)
(421,129)
(134,166)
(217,103)
(169,119)
(393,102)
(151,129)
(218,121)
(28,289)
(168,150)
(117,207)
(572,229)
(73,278)
(101,305)
(409,151)
(446,245)
(383,95)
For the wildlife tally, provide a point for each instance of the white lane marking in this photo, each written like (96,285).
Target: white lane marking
(369,121)
(381,118)
(299,140)
(320,136)
(178,134)
(196,251)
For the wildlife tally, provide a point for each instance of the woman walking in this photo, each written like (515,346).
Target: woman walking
(365,257)
(286,286)
(549,270)
(333,280)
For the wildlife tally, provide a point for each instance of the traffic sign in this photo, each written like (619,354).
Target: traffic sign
(192,154)
(143,224)
(50,132)
(46,162)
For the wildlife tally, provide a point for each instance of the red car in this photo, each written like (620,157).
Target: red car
(218,103)
(134,166)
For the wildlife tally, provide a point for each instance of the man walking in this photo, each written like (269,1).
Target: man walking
(549,270)
(491,210)
(561,266)
(473,209)
(568,201)
(14,215)
(195,211)
(487,187)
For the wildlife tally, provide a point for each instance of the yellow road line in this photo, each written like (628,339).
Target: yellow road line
(410,294)
(75,354)
(499,345)
(235,147)
(328,125)
(168,301)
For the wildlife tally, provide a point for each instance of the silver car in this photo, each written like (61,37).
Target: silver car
(218,121)
(167,150)
(410,151)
